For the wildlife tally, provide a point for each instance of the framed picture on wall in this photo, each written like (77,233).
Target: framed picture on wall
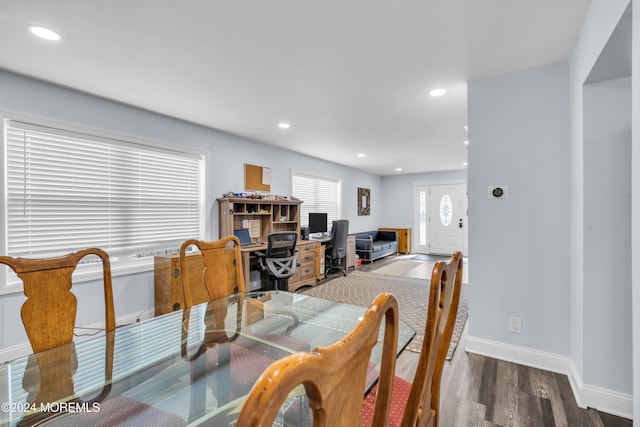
(364,201)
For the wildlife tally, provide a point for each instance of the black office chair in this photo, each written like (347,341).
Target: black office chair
(279,261)
(336,249)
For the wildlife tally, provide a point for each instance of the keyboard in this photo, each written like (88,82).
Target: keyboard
(251,245)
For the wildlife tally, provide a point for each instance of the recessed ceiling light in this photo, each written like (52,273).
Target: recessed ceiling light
(437,92)
(398,169)
(44,33)
(465,163)
(361,155)
(466,128)
(466,142)
(284,125)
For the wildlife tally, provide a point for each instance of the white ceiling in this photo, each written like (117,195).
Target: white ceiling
(351,76)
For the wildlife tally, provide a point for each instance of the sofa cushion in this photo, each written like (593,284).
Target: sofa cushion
(386,235)
(385,245)
(362,244)
(366,234)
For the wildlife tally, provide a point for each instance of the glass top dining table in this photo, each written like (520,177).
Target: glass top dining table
(189,367)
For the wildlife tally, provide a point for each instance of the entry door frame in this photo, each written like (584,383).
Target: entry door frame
(416,235)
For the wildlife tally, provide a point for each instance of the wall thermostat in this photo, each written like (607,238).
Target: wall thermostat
(498,192)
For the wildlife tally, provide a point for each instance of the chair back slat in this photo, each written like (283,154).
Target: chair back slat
(221,273)
(49,313)
(49,317)
(423,404)
(334,377)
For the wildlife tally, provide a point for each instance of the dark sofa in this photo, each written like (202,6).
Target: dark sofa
(371,245)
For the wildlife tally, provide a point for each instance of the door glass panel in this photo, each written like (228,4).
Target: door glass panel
(446,210)
(423,217)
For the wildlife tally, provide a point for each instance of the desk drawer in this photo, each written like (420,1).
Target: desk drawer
(306,256)
(306,248)
(306,270)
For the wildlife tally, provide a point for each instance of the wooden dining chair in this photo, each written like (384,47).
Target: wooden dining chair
(222,273)
(334,377)
(418,403)
(222,276)
(49,317)
(49,313)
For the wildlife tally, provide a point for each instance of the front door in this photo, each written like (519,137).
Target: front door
(448,218)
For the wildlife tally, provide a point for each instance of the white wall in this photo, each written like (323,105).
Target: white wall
(601,381)
(561,262)
(226,157)
(518,133)
(607,241)
(597,28)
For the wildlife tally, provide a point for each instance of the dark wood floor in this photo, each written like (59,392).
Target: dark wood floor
(482,391)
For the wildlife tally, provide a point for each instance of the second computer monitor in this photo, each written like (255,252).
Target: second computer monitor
(317,222)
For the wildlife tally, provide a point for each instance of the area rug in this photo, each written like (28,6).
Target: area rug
(398,267)
(361,288)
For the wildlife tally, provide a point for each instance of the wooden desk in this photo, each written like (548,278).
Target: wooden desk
(305,273)
(246,261)
(168,293)
(307,254)
(183,363)
(348,262)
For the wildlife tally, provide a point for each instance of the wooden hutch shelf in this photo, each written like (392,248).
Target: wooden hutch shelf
(273,216)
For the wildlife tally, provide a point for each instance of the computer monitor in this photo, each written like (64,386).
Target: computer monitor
(317,222)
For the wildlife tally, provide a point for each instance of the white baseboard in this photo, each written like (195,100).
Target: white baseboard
(609,401)
(575,379)
(521,355)
(602,399)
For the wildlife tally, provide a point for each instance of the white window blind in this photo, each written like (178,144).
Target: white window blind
(67,191)
(319,194)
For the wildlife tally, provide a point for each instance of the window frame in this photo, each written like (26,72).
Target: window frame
(120,265)
(319,176)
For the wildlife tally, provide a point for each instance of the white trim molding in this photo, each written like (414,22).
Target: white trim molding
(587,396)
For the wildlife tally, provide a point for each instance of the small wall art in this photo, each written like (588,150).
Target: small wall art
(364,201)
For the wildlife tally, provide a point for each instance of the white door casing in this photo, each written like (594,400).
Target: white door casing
(441,219)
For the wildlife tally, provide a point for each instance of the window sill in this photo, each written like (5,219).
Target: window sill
(91,273)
